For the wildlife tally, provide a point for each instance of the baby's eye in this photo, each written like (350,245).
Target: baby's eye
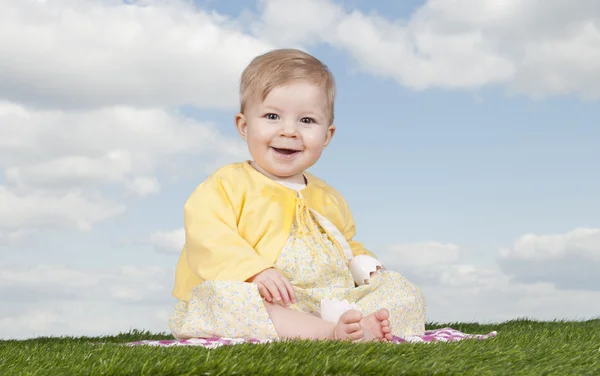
(307,120)
(272,116)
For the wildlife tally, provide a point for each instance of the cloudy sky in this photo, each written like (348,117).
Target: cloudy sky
(467,142)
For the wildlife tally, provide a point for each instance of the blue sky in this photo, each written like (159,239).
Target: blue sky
(451,165)
(474,168)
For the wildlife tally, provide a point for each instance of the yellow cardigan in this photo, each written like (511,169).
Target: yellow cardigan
(237,222)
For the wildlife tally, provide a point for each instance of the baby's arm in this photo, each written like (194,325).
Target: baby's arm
(214,248)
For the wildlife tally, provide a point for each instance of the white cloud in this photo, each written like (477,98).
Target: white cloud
(143,186)
(540,301)
(100,284)
(304,22)
(57,164)
(424,253)
(82,318)
(583,242)
(171,241)
(570,260)
(97,114)
(90,53)
(474,293)
(54,147)
(538,47)
(544,277)
(43,210)
(12,237)
(567,261)
(471,276)
(441,264)
(57,300)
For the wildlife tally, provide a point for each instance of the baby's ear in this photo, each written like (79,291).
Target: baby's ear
(241,125)
(329,136)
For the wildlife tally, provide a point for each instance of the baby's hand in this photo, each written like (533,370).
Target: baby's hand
(274,286)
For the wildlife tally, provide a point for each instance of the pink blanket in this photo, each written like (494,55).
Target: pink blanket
(430,336)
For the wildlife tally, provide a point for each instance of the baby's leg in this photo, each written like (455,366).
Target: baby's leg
(403,300)
(292,324)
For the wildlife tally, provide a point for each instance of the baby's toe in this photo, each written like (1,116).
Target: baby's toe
(351,316)
(382,314)
(350,328)
(357,335)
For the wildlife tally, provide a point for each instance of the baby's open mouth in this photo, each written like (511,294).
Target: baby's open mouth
(286,151)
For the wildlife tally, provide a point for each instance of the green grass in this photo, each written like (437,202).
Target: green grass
(522,348)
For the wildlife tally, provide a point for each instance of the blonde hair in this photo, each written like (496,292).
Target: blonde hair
(279,67)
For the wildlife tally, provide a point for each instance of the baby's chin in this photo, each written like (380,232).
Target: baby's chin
(291,176)
(292,172)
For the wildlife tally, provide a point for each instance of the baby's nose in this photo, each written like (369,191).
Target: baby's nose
(289,129)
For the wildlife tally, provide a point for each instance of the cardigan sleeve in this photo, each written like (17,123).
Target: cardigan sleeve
(214,248)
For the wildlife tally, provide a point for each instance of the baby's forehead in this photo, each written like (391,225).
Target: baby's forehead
(293,95)
(294,92)
(311,103)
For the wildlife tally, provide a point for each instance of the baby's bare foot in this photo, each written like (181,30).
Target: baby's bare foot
(349,327)
(376,326)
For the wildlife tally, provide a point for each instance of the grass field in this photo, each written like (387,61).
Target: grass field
(521,348)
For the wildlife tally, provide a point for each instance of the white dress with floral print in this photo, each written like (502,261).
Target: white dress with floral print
(317,270)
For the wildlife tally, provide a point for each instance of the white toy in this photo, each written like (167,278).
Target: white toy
(362,266)
(332,309)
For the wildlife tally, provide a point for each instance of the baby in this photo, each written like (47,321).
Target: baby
(270,250)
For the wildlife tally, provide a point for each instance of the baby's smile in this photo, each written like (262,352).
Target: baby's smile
(286,153)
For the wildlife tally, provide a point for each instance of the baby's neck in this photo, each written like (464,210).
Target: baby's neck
(296,180)
(292,185)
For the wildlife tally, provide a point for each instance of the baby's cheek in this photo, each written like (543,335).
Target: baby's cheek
(314,138)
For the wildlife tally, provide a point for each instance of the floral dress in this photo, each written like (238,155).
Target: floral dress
(317,270)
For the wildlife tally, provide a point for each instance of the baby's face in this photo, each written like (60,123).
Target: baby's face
(287,132)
